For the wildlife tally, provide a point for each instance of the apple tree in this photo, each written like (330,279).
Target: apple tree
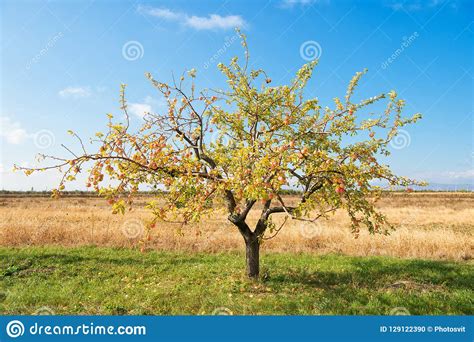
(243,145)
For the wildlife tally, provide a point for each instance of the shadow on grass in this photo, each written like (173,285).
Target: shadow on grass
(93,256)
(361,272)
(380,286)
(375,273)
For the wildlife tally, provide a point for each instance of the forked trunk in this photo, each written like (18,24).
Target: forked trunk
(252,256)
(252,244)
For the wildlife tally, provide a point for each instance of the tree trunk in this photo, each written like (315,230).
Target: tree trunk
(252,256)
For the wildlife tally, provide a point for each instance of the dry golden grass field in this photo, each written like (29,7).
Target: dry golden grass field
(430,226)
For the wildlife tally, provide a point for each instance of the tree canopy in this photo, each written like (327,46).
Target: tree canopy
(242,145)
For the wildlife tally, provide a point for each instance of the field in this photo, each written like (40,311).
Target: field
(72,256)
(429,226)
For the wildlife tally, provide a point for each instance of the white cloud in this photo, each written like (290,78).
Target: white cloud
(396,6)
(414,6)
(215,21)
(75,92)
(468,174)
(448,177)
(139,109)
(211,22)
(148,105)
(12,131)
(163,13)
(48,180)
(292,3)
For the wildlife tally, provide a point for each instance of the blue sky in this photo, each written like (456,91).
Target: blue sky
(62,63)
